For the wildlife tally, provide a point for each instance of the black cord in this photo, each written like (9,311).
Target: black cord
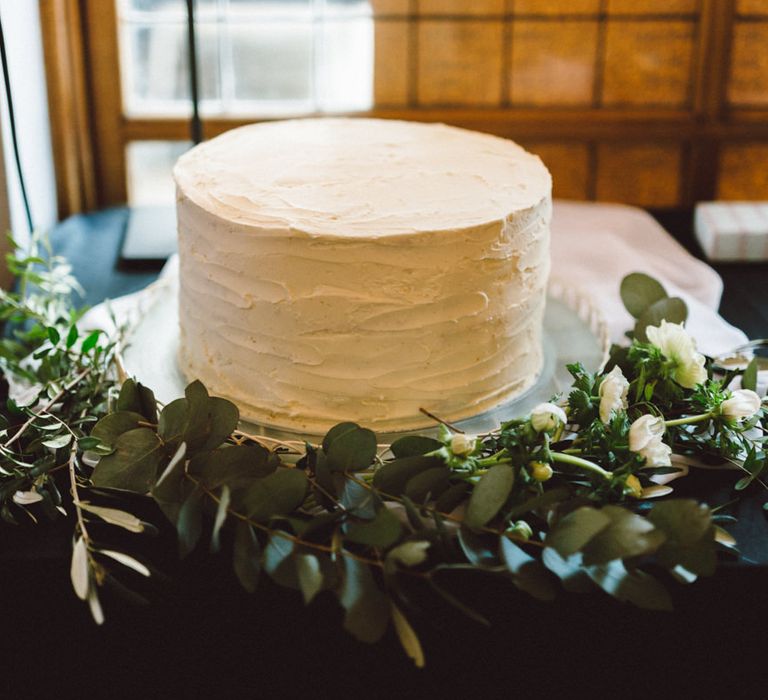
(12,120)
(196,126)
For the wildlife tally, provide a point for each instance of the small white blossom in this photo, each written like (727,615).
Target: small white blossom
(463,445)
(547,417)
(645,439)
(679,347)
(743,403)
(613,394)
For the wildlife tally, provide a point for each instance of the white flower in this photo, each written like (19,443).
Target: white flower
(613,394)
(743,403)
(547,417)
(645,439)
(676,345)
(463,445)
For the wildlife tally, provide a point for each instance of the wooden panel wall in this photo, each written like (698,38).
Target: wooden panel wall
(658,103)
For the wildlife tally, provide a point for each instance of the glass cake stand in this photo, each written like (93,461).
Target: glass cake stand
(574,331)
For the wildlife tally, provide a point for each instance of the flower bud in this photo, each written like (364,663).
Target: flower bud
(632,487)
(521,529)
(743,403)
(547,418)
(540,471)
(463,445)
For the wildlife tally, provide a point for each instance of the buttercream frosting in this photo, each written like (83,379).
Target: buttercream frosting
(360,269)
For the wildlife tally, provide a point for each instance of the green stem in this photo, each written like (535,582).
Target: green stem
(492,459)
(582,463)
(687,420)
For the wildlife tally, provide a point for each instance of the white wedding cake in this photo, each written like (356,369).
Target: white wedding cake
(361,269)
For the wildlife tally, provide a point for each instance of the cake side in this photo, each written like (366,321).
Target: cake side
(303,330)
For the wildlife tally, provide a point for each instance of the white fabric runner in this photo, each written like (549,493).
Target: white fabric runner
(595,245)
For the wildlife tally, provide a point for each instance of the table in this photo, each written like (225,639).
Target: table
(204,636)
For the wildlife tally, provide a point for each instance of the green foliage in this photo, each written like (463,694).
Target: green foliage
(346,516)
(647,300)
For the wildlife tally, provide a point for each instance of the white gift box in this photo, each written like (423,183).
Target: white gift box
(732,230)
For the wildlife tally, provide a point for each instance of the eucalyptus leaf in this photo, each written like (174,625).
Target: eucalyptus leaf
(337,431)
(749,378)
(279,561)
(97,613)
(393,476)
(568,569)
(627,535)
(114,516)
(383,531)
(428,484)
(481,550)
(173,420)
(246,556)
(489,495)
(358,500)
(410,553)
(112,426)
(636,587)
(223,417)
(277,494)
(452,497)
(236,465)
(137,398)
(690,536)
(126,560)
(203,422)
(575,529)
(79,569)
(367,608)
(407,636)
(190,522)
(350,449)
(640,291)
(133,464)
(672,310)
(528,574)
(310,576)
(414,446)
(221,516)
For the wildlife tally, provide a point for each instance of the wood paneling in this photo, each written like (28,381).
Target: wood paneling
(647,175)
(459,62)
(743,172)
(648,63)
(748,85)
(652,102)
(553,63)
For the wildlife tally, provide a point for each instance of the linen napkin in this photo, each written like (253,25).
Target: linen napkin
(595,245)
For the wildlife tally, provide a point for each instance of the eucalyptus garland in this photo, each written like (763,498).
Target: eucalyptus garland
(557,499)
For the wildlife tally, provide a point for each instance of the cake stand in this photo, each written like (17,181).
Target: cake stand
(573,332)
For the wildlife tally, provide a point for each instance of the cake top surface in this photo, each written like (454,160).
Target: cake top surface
(360,177)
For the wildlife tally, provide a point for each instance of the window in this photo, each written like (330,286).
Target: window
(257,58)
